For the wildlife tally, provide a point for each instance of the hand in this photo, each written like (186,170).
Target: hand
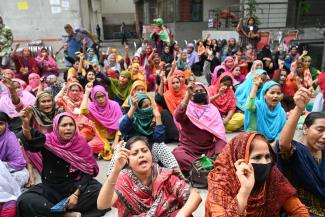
(72,201)
(304,53)
(17,45)
(208,51)
(154,50)
(26,115)
(190,89)
(81,56)
(245,174)
(156,112)
(222,90)
(8,83)
(84,41)
(126,48)
(257,80)
(122,159)
(225,121)
(134,100)
(89,87)
(302,97)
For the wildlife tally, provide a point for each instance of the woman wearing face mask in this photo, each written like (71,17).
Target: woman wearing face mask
(265,114)
(70,100)
(222,96)
(202,129)
(13,174)
(46,64)
(105,113)
(144,188)
(35,84)
(69,168)
(169,101)
(303,161)
(243,90)
(137,87)
(246,182)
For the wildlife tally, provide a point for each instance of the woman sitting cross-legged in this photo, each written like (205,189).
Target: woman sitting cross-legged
(143,188)
(202,130)
(246,182)
(68,171)
(303,162)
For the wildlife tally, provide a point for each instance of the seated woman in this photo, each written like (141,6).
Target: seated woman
(144,188)
(118,89)
(90,76)
(76,70)
(137,87)
(243,90)
(105,113)
(246,182)
(309,71)
(68,171)
(181,63)
(46,64)
(136,72)
(169,101)
(25,63)
(281,78)
(13,174)
(35,84)
(303,162)
(70,100)
(91,56)
(13,101)
(222,96)
(265,114)
(112,64)
(6,74)
(202,130)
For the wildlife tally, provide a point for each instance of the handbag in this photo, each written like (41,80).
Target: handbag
(200,169)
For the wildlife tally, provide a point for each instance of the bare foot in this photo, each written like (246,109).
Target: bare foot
(72,214)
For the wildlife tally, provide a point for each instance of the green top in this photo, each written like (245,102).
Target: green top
(251,108)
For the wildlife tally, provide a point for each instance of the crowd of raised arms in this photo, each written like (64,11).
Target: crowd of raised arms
(127,109)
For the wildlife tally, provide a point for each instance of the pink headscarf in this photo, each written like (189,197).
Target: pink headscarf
(215,71)
(109,114)
(33,81)
(76,151)
(224,64)
(206,117)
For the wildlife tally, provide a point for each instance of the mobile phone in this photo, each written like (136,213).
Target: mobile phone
(251,28)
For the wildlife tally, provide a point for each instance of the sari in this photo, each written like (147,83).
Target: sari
(226,101)
(223,185)
(173,98)
(165,198)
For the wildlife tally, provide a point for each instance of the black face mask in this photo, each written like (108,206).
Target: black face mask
(200,98)
(261,172)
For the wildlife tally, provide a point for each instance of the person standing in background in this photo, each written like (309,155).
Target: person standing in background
(124,32)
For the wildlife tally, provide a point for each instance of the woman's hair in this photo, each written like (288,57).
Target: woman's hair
(220,71)
(4,117)
(226,78)
(141,102)
(251,18)
(312,117)
(136,139)
(306,58)
(277,77)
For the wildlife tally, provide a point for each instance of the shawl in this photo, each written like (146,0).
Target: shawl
(167,195)
(173,98)
(206,117)
(6,105)
(269,123)
(107,115)
(76,151)
(127,103)
(143,118)
(10,150)
(115,89)
(223,184)
(228,58)
(243,90)
(44,120)
(214,75)
(33,81)
(306,172)
(226,101)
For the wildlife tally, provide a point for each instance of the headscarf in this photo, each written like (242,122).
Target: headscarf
(243,90)
(228,58)
(253,68)
(173,98)
(73,100)
(43,119)
(214,75)
(10,150)
(76,151)
(138,75)
(321,82)
(226,101)
(127,103)
(33,81)
(107,115)
(269,123)
(115,89)
(206,117)
(143,117)
(223,184)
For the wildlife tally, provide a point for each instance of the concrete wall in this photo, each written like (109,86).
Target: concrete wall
(213,4)
(117,11)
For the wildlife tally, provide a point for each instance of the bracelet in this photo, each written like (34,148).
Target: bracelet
(112,183)
(75,195)
(25,128)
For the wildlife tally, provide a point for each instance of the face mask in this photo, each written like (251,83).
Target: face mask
(200,98)
(147,112)
(261,172)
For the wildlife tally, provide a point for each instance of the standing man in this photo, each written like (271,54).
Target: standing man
(6,39)
(124,32)
(98,32)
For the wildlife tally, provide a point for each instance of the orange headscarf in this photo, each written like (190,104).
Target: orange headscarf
(173,98)
(137,75)
(224,184)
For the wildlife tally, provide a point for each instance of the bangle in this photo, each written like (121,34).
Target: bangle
(25,128)
(112,183)
(75,195)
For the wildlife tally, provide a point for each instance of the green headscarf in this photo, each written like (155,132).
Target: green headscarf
(143,117)
(116,90)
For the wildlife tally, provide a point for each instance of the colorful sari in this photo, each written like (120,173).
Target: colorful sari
(166,197)
(223,185)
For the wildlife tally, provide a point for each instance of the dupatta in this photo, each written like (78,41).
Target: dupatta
(173,98)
